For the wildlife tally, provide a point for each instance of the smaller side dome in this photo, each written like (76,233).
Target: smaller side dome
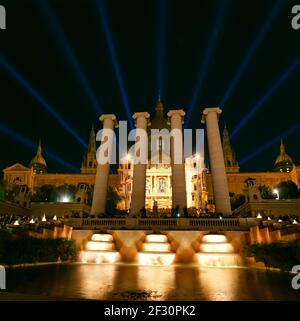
(283,162)
(38,163)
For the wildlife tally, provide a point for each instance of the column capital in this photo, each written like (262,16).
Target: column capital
(142,114)
(174,112)
(208,110)
(112,117)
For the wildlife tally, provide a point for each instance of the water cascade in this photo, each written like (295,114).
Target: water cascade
(156,250)
(215,250)
(101,249)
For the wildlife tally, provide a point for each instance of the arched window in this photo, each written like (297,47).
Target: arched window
(228,162)
(78,199)
(90,164)
(255,196)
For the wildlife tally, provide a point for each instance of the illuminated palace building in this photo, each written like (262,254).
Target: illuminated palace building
(158,199)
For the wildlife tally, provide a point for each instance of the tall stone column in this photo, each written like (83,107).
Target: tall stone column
(139,171)
(216,158)
(101,181)
(178,170)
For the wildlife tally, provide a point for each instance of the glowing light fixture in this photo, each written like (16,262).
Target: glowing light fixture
(65,199)
(276,191)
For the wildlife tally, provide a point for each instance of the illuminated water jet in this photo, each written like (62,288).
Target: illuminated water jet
(101,249)
(156,251)
(216,251)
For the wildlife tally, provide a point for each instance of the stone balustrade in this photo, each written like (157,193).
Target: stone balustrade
(211,224)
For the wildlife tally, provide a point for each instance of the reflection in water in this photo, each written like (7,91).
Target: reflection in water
(125,279)
(111,281)
(159,279)
(220,285)
(186,284)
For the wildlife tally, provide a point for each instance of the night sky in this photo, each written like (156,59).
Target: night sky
(159,47)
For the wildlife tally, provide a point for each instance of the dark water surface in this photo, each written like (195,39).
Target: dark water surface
(129,282)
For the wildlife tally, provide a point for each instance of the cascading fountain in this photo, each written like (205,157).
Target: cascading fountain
(101,249)
(156,250)
(215,250)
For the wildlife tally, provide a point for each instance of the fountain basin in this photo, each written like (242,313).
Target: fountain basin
(155,258)
(218,259)
(99,257)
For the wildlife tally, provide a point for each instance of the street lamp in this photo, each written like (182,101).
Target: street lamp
(276,191)
(65,199)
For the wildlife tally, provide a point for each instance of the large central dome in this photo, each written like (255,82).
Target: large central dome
(159,121)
